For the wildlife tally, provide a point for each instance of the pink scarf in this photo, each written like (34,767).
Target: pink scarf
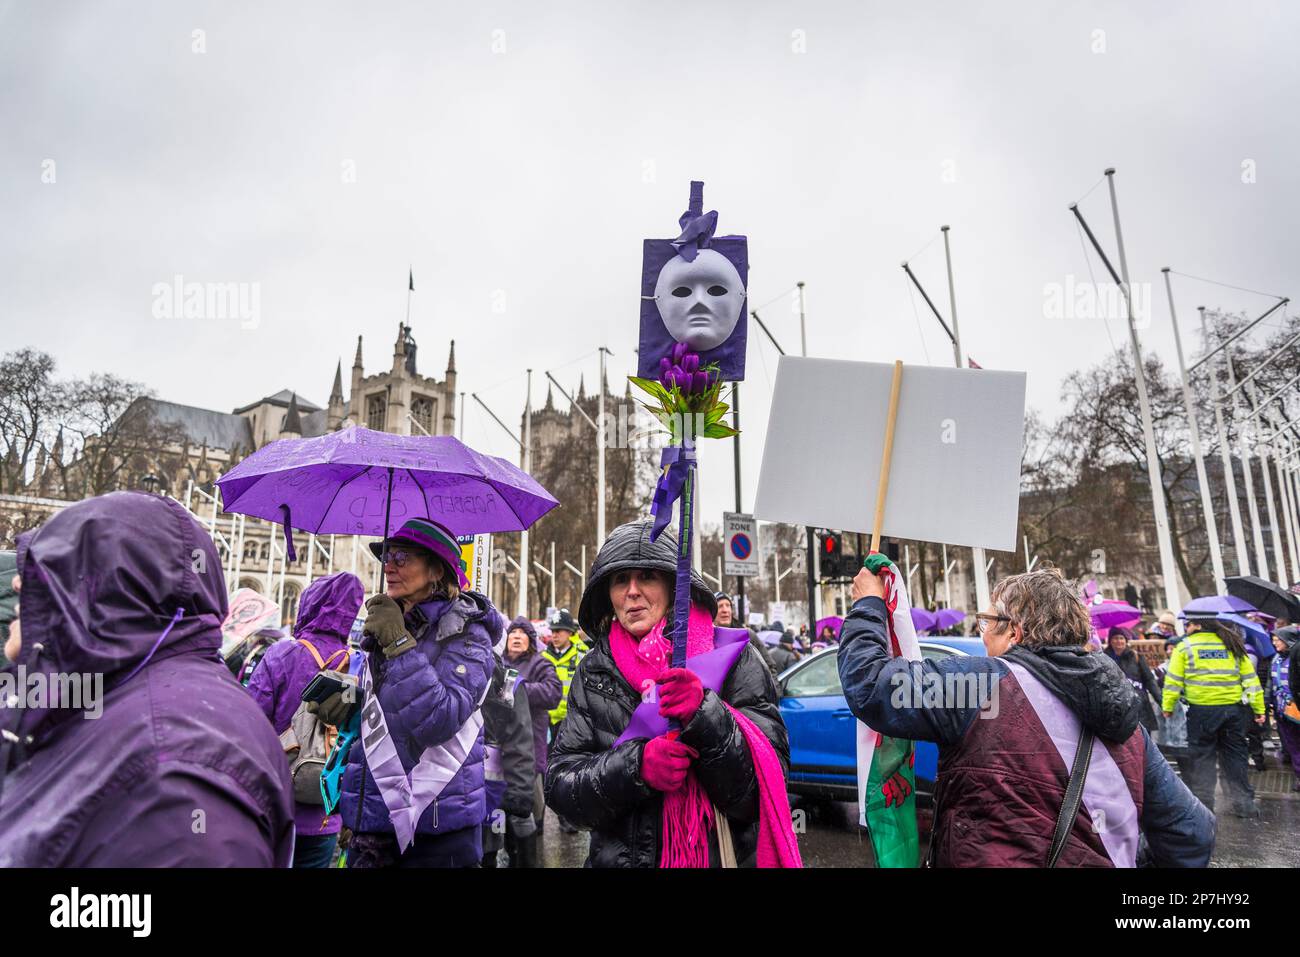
(688,813)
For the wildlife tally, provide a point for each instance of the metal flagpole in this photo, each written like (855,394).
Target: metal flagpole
(1243,452)
(814,556)
(1207,505)
(601,438)
(1225,452)
(1288,504)
(1275,531)
(522,608)
(740,579)
(410,288)
(1168,568)
(978,562)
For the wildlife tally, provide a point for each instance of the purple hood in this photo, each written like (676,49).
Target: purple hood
(325,615)
(127,588)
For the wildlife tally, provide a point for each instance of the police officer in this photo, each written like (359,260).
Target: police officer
(1211,669)
(564,649)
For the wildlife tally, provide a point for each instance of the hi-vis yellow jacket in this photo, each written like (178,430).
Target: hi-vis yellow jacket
(1202,667)
(566,665)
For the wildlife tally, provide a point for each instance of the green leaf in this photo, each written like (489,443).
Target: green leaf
(654,388)
(719,431)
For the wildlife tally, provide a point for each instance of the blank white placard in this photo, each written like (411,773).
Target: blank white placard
(955,475)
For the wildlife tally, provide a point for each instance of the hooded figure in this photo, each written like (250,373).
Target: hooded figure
(180,768)
(326,612)
(733,740)
(1008,728)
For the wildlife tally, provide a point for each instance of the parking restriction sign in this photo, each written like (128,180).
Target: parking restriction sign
(740,544)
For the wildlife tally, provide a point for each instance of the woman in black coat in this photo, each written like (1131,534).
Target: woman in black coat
(601,787)
(1136,671)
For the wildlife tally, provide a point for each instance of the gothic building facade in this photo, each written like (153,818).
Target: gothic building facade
(203,444)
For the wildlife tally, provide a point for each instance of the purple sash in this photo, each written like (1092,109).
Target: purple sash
(408,797)
(1106,795)
(712,668)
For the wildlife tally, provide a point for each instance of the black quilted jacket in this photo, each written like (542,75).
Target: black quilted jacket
(598,786)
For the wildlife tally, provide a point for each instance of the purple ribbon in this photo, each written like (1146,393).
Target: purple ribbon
(712,668)
(289,552)
(697,225)
(677,463)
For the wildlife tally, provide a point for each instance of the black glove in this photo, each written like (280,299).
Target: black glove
(522,826)
(385,623)
(338,707)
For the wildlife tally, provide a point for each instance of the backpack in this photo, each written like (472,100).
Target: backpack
(307,741)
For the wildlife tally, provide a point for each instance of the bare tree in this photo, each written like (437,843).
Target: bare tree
(119,435)
(30,405)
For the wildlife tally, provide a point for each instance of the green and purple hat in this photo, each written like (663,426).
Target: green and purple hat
(432,537)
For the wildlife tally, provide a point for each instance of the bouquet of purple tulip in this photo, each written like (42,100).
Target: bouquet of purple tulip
(686,388)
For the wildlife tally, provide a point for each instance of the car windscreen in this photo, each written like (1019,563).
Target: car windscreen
(818,678)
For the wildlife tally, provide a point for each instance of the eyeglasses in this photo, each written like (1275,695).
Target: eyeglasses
(983,621)
(398,557)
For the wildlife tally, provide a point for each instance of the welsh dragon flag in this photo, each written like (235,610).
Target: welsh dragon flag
(886,766)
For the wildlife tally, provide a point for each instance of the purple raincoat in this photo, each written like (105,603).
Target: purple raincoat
(326,612)
(179,768)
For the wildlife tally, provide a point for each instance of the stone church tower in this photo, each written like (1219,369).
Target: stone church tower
(399,400)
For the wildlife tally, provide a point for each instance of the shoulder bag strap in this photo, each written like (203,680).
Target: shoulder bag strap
(314,653)
(1073,796)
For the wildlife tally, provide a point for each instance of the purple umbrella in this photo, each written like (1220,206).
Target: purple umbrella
(770,638)
(922,620)
(361,482)
(1113,614)
(1217,605)
(834,621)
(948,617)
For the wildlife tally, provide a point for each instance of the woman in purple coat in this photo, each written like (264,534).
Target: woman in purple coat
(326,612)
(413,790)
(122,599)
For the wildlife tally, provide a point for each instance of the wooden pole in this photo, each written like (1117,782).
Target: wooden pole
(886,454)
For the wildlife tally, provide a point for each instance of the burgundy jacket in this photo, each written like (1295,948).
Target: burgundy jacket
(1008,729)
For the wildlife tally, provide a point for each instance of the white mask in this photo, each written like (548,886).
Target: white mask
(700,301)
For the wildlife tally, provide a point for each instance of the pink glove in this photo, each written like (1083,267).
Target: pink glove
(665,762)
(680,694)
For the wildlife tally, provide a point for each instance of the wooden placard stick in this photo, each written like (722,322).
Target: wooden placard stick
(886,454)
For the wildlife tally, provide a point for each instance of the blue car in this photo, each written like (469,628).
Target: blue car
(823,743)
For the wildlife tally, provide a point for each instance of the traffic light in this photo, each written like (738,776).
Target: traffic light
(832,555)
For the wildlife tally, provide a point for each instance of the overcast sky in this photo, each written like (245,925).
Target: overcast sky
(515,155)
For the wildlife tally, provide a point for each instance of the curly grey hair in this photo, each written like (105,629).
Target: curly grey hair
(1045,605)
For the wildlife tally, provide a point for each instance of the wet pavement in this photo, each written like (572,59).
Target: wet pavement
(831,838)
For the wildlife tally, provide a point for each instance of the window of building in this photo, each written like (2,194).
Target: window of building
(289,604)
(376,412)
(422,413)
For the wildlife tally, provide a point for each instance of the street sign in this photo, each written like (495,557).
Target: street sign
(798,562)
(739,544)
